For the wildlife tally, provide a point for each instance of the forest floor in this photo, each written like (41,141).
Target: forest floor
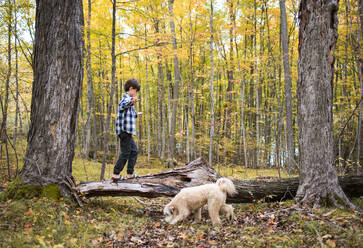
(138,222)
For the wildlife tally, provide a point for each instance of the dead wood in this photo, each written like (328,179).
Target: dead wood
(168,183)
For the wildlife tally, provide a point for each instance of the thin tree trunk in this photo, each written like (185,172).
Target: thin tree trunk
(8,75)
(317,40)
(177,80)
(256,93)
(230,66)
(288,94)
(191,93)
(161,106)
(242,88)
(17,112)
(147,103)
(113,82)
(58,77)
(168,77)
(90,122)
(360,73)
(211,87)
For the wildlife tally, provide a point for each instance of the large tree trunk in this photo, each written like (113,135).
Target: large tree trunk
(317,39)
(58,76)
(198,172)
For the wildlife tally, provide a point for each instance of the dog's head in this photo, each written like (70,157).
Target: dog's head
(169,212)
(227,186)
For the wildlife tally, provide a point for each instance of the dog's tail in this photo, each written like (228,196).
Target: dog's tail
(227,186)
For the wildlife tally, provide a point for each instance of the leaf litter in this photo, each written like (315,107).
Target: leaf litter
(124,222)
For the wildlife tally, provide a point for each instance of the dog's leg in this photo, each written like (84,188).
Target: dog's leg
(213,209)
(181,216)
(228,209)
(198,215)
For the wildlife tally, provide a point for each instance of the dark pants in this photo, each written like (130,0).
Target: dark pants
(128,153)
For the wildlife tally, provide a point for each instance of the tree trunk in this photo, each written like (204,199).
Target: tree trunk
(317,40)
(58,77)
(211,88)
(230,66)
(256,92)
(198,172)
(360,73)
(3,130)
(90,122)
(191,92)
(288,95)
(113,82)
(242,85)
(17,112)
(147,102)
(177,80)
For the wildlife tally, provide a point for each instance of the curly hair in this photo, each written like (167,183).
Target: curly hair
(132,83)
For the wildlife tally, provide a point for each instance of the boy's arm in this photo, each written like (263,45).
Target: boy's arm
(125,103)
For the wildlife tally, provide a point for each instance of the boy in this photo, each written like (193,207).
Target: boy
(125,128)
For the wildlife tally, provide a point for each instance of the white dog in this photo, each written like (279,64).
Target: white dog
(192,199)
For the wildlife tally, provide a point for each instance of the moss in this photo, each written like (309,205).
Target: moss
(51,191)
(340,201)
(19,190)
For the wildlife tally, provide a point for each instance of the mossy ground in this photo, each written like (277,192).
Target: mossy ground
(125,222)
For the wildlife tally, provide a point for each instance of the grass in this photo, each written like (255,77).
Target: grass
(127,222)
(87,170)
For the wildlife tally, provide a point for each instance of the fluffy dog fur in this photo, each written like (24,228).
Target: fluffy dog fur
(191,200)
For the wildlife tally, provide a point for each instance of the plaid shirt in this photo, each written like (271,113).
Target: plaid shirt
(126,117)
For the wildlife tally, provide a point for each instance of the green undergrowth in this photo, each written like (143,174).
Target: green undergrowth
(17,190)
(127,222)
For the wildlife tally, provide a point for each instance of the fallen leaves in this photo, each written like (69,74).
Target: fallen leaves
(119,223)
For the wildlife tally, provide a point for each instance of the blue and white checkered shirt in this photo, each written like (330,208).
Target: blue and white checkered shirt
(126,117)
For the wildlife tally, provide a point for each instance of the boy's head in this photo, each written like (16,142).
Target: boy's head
(132,85)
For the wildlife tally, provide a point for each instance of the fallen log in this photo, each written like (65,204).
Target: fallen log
(169,183)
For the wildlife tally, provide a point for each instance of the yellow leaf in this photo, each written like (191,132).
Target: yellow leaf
(120,236)
(331,243)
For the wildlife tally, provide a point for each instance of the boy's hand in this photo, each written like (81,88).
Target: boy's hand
(134,100)
(139,113)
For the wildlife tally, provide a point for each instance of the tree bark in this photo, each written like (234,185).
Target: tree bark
(211,88)
(360,73)
(198,172)
(256,87)
(113,82)
(317,40)
(17,112)
(58,77)
(177,80)
(3,130)
(91,122)
(288,94)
